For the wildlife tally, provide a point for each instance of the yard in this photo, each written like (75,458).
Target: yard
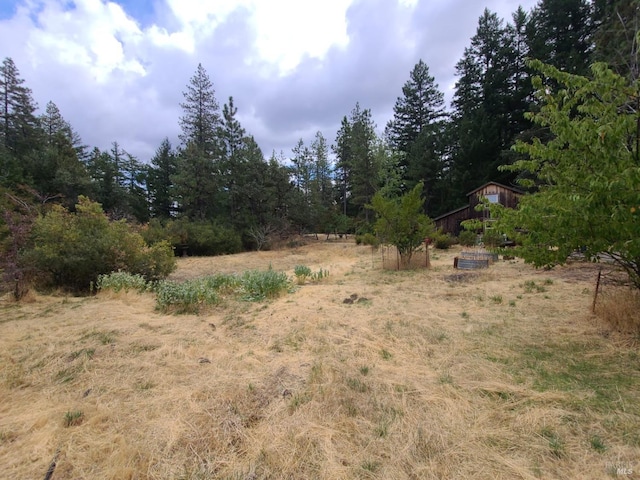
(367,373)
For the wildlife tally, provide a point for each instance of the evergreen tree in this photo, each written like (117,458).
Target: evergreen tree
(105,181)
(358,172)
(482,116)
(421,105)
(18,124)
(321,184)
(134,178)
(232,133)
(54,125)
(57,170)
(163,168)
(201,115)
(560,34)
(416,132)
(233,166)
(616,42)
(198,182)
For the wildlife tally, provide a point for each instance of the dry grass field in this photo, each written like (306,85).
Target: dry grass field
(426,374)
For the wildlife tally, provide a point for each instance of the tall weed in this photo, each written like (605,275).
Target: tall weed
(259,285)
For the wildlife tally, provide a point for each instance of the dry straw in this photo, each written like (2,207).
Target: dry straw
(433,374)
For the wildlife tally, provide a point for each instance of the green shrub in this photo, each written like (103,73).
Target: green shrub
(442,241)
(492,238)
(185,297)
(367,239)
(71,250)
(301,272)
(204,238)
(155,262)
(118,281)
(258,285)
(319,275)
(467,238)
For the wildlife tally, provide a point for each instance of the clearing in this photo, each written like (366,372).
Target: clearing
(437,373)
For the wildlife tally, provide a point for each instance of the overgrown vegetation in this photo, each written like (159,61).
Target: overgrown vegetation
(192,296)
(71,249)
(401,222)
(586,175)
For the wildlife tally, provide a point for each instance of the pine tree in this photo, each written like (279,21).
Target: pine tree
(163,168)
(232,133)
(196,184)
(485,119)
(561,34)
(18,124)
(322,192)
(358,171)
(616,41)
(232,168)
(201,119)
(416,132)
(198,180)
(421,105)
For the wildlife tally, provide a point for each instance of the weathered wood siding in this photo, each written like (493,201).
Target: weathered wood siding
(450,222)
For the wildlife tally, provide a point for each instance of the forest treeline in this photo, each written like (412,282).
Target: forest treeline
(216,192)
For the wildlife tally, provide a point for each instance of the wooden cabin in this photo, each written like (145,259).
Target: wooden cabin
(492,191)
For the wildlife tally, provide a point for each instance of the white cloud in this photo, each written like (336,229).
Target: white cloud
(286,30)
(94,35)
(293,66)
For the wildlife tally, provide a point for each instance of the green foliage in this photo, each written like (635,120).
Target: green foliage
(301,272)
(194,237)
(367,239)
(259,285)
(401,222)
(118,281)
(442,241)
(192,296)
(588,174)
(492,238)
(467,238)
(73,418)
(73,249)
(319,275)
(185,297)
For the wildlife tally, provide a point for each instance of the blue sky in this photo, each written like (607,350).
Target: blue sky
(117,69)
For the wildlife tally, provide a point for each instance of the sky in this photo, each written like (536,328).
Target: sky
(117,69)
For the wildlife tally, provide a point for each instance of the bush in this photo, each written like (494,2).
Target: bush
(492,238)
(155,262)
(442,241)
(204,238)
(257,285)
(185,297)
(194,295)
(367,239)
(118,281)
(301,272)
(72,249)
(467,238)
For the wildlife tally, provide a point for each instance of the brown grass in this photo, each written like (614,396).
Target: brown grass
(425,374)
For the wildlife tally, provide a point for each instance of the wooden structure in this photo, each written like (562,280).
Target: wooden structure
(494,192)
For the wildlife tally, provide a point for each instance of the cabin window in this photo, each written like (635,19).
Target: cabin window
(492,198)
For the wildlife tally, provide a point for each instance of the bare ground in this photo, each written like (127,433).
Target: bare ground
(369,373)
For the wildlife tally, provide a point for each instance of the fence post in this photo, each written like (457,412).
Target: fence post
(595,295)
